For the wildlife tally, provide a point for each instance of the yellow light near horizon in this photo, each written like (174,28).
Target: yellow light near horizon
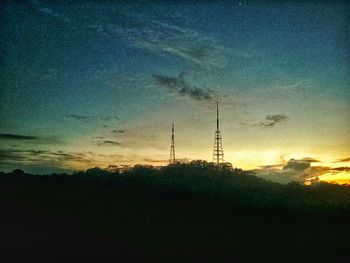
(339,177)
(272,157)
(342,177)
(254,159)
(331,164)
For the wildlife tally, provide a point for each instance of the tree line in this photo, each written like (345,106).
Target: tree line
(201,179)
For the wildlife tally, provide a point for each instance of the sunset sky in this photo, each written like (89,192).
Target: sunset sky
(96,83)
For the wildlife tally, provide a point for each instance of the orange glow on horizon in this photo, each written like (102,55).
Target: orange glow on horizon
(333,178)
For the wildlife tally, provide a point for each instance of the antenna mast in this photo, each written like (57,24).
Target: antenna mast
(218,153)
(172,146)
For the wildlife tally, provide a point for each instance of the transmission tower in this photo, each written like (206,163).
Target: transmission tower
(172,147)
(218,153)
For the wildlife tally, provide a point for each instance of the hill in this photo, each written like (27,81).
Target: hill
(184,209)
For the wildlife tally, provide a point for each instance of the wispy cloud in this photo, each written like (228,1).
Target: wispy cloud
(81,117)
(14,137)
(315,171)
(181,87)
(296,170)
(88,118)
(30,139)
(344,168)
(310,160)
(343,160)
(119,131)
(272,166)
(164,161)
(40,156)
(167,39)
(44,161)
(109,143)
(272,120)
(269,122)
(158,37)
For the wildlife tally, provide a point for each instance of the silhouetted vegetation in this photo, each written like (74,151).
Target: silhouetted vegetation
(201,179)
(192,207)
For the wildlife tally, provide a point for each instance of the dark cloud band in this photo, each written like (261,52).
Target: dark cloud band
(182,88)
(8,136)
(109,143)
(269,122)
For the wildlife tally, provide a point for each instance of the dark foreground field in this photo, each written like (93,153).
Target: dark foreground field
(57,220)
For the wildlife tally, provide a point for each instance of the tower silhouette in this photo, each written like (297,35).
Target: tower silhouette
(172,147)
(218,153)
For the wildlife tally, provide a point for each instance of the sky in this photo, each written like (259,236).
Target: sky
(98,83)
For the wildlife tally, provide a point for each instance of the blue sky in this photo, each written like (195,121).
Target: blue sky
(105,81)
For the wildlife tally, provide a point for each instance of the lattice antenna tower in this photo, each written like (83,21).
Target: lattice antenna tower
(172,146)
(218,153)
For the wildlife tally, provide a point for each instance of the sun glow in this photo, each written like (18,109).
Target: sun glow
(342,177)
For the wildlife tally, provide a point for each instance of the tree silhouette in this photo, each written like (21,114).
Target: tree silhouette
(206,180)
